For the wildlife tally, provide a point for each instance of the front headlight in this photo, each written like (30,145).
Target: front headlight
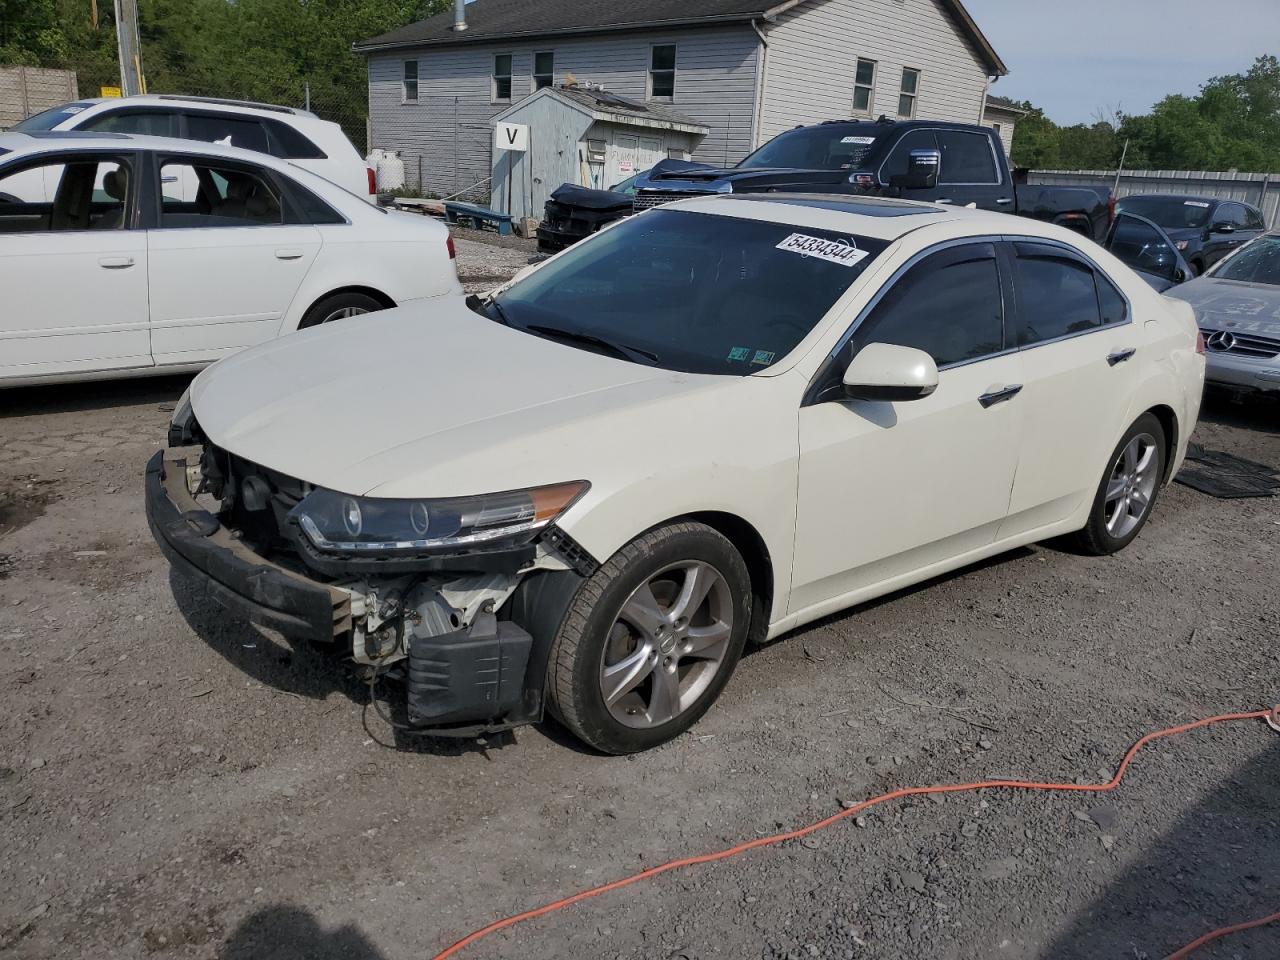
(336,522)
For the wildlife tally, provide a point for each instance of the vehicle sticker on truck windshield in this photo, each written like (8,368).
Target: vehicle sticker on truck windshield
(830,250)
(739,353)
(862,140)
(763,357)
(1194,203)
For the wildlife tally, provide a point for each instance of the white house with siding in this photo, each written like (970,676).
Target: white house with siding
(745,69)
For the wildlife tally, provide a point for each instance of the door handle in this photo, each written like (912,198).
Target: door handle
(1120,356)
(115,263)
(1004,201)
(1000,396)
(288,253)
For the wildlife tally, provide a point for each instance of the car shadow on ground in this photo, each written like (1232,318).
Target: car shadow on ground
(1215,868)
(999,560)
(1258,412)
(284,932)
(92,395)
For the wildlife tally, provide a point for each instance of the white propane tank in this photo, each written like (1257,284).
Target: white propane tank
(390,171)
(375,155)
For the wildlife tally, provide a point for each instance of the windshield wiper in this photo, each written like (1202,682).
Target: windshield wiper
(478,304)
(620,350)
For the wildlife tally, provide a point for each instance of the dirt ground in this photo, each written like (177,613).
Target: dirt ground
(176,784)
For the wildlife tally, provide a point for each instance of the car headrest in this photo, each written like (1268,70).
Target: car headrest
(114,184)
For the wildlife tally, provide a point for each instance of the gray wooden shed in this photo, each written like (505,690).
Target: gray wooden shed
(583,136)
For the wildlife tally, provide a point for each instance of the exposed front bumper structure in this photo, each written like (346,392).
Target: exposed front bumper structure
(196,542)
(465,668)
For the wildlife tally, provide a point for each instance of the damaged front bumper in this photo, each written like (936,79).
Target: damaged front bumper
(470,646)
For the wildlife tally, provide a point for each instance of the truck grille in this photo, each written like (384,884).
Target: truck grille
(1241,344)
(656,198)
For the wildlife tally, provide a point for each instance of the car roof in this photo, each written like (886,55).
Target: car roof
(879,217)
(178,100)
(49,141)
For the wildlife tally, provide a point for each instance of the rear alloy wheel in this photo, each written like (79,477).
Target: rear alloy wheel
(339,307)
(651,639)
(1128,491)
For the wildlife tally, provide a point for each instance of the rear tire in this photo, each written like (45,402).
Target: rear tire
(1128,491)
(339,306)
(651,639)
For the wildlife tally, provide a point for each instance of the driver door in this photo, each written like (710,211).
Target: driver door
(888,490)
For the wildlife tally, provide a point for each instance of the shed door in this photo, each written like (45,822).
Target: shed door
(622,163)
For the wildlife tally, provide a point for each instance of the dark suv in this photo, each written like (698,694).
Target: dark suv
(1204,229)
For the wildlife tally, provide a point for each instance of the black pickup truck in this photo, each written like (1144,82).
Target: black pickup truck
(913,159)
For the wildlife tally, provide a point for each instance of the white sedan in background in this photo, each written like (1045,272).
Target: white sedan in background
(717,420)
(155,255)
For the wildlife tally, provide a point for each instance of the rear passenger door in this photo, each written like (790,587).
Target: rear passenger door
(1079,349)
(226,264)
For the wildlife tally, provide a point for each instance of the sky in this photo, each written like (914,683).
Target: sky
(1076,57)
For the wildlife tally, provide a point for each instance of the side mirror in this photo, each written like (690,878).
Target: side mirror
(923,167)
(1224,227)
(1179,275)
(887,372)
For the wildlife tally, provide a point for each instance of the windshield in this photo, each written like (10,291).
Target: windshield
(690,291)
(1259,262)
(835,147)
(49,119)
(1172,213)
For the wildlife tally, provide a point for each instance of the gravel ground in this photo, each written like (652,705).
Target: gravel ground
(176,784)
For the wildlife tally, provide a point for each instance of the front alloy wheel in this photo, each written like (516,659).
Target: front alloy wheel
(667,645)
(650,639)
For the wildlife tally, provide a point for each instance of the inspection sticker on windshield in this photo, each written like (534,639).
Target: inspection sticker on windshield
(739,353)
(1194,203)
(808,246)
(862,140)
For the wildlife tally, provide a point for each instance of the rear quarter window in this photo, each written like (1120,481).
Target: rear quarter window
(288,144)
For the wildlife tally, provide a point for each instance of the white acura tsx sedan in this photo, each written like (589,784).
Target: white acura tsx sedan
(128,255)
(707,425)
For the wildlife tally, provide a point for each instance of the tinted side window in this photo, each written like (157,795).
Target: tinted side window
(313,209)
(234,131)
(950,306)
(1111,302)
(288,143)
(1056,296)
(895,164)
(151,123)
(1142,247)
(1238,215)
(966,158)
(1255,219)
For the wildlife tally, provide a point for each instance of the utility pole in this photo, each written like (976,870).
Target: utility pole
(93,13)
(131,80)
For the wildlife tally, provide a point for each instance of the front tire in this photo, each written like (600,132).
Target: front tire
(651,639)
(1128,491)
(339,306)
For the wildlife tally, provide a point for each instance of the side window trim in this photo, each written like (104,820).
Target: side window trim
(1061,251)
(999,181)
(817,385)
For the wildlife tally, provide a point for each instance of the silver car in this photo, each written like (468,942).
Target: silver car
(1237,306)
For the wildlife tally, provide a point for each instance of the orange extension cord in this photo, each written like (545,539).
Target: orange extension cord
(1272,716)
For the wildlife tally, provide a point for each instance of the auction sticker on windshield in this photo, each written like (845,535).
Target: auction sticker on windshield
(864,141)
(830,250)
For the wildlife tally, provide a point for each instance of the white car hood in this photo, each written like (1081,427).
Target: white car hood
(429,400)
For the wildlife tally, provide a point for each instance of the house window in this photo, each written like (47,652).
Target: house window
(544,69)
(502,78)
(864,86)
(910,89)
(409,86)
(662,72)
